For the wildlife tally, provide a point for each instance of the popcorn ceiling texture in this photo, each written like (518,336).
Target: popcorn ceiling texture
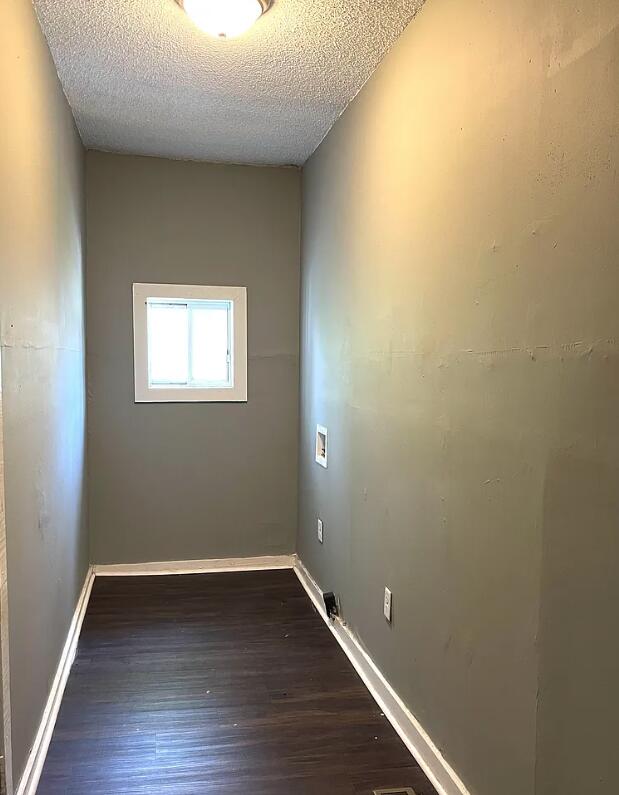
(142,79)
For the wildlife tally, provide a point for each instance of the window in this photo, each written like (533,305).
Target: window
(190,343)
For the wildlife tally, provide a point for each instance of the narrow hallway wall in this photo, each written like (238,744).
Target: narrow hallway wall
(459,341)
(42,347)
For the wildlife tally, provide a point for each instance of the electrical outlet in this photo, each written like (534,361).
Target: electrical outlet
(320,530)
(387,605)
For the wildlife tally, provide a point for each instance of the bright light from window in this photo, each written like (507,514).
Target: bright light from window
(189,343)
(210,357)
(223,18)
(168,344)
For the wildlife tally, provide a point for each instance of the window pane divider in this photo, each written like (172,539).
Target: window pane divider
(190,343)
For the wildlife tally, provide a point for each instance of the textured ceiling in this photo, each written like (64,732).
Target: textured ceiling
(142,79)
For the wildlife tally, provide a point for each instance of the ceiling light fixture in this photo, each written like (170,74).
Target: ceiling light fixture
(224,19)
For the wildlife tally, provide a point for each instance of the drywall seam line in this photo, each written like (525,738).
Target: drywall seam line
(417,740)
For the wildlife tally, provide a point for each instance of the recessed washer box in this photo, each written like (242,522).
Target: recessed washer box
(322,437)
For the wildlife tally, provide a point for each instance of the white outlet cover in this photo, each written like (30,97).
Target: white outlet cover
(320,530)
(387,605)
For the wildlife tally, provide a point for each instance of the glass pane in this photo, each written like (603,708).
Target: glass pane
(209,343)
(168,344)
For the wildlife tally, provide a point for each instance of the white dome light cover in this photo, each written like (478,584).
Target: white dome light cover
(224,19)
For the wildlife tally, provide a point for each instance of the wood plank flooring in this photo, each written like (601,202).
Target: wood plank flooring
(217,683)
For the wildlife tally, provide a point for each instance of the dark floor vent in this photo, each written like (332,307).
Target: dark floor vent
(396,791)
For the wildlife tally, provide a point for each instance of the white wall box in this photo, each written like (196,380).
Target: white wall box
(322,439)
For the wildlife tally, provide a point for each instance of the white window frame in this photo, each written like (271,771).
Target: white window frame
(144,392)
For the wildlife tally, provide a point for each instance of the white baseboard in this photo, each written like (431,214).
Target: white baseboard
(412,733)
(442,776)
(195,566)
(36,758)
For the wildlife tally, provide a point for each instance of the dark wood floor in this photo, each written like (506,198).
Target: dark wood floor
(219,683)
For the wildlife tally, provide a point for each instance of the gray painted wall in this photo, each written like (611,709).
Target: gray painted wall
(459,340)
(42,343)
(193,480)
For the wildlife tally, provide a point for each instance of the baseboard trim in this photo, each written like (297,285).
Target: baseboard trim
(36,758)
(195,566)
(412,733)
(416,739)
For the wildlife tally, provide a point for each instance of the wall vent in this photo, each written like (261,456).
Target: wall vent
(396,791)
